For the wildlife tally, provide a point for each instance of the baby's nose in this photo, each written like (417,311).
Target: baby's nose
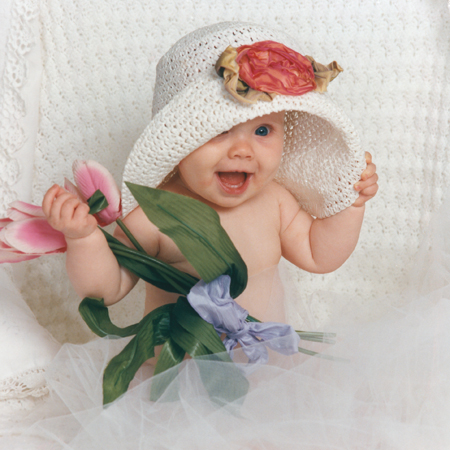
(241,149)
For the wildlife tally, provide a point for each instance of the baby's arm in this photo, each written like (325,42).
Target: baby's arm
(323,245)
(91,265)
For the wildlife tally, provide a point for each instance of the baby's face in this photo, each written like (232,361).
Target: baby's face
(237,164)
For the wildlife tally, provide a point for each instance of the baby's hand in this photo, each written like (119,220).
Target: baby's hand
(367,186)
(66,213)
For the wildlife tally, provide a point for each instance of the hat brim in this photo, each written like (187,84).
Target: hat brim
(319,168)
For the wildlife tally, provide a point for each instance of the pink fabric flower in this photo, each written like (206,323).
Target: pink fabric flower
(271,67)
(89,177)
(25,234)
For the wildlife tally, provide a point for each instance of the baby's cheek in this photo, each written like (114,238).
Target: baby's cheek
(208,177)
(275,164)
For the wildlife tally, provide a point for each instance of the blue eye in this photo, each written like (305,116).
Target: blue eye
(262,131)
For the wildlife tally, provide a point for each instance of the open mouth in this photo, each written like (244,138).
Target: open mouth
(234,182)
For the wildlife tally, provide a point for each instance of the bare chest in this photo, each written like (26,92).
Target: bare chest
(254,230)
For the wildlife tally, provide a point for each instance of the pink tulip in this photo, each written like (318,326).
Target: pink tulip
(91,176)
(25,234)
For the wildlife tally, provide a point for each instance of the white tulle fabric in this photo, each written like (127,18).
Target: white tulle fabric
(391,392)
(97,61)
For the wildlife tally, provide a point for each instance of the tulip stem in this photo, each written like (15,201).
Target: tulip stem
(130,236)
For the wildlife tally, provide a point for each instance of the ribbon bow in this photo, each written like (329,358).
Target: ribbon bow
(213,303)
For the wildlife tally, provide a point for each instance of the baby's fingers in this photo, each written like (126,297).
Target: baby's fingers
(369,191)
(66,213)
(56,209)
(81,215)
(370,182)
(83,223)
(49,198)
(61,210)
(68,208)
(369,171)
(370,168)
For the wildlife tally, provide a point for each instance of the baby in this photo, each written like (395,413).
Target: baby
(233,173)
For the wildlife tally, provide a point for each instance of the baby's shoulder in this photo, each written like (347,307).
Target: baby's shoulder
(278,190)
(288,205)
(284,198)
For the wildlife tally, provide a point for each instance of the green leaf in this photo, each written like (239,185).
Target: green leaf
(97,202)
(223,381)
(171,355)
(96,315)
(252,319)
(322,355)
(196,230)
(189,319)
(151,269)
(317,336)
(122,368)
(187,341)
(161,326)
(158,317)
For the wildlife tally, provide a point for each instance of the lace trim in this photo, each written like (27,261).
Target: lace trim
(29,383)
(12,104)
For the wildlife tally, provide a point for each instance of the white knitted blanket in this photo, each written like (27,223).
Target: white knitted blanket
(77,83)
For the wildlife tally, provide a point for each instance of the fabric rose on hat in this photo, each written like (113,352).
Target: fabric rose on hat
(262,70)
(272,67)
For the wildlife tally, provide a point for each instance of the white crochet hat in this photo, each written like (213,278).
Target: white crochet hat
(322,157)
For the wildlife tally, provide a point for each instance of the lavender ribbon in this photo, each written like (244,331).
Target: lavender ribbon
(213,303)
